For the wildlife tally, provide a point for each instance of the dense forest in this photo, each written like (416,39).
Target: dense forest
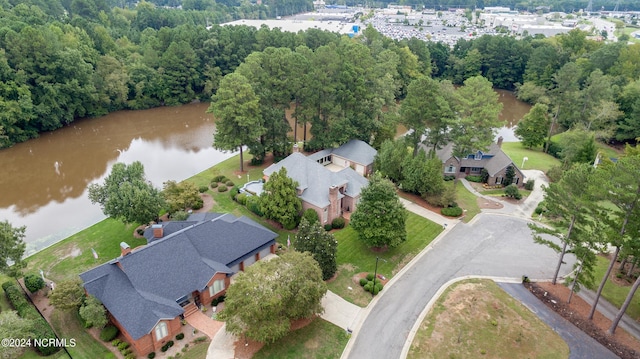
(60,61)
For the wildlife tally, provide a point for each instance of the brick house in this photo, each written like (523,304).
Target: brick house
(148,290)
(494,160)
(329,181)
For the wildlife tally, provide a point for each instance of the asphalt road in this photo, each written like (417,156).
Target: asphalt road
(491,245)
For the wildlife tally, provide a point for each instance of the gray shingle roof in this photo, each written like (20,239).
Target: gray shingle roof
(315,180)
(496,162)
(357,151)
(142,287)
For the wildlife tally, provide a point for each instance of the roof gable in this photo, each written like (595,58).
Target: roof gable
(142,287)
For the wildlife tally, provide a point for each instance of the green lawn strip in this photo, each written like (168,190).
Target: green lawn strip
(476,318)
(72,256)
(196,350)
(467,201)
(500,192)
(614,293)
(354,257)
(537,159)
(319,339)
(67,325)
(33,354)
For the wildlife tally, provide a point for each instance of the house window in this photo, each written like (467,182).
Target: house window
(217,287)
(498,180)
(478,156)
(161,331)
(450,169)
(325,212)
(476,169)
(516,180)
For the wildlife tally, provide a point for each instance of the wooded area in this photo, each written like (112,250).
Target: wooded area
(57,67)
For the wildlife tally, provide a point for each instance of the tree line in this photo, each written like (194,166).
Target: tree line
(56,67)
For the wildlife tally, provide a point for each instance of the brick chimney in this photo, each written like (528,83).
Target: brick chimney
(499,142)
(124,248)
(158,231)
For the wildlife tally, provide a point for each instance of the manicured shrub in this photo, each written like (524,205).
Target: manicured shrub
(222,188)
(529,185)
(449,178)
(540,208)
(180,216)
(33,282)
(327,227)
(229,183)
(214,184)
(363,281)
(512,191)
(242,198)
(115,342)
(109,333)
(253,204)
(234,192)
(7,284)
(367,287)
(125,352)
(451,211)
(337,223)
(223,179)
(217,179)
(369,277)
(203,189)
(180,336)
(378,287)
(197,204)
(473,178)
(140,231)
(311,215)
(122,346)
(151,355)
(217,300)
(289,225)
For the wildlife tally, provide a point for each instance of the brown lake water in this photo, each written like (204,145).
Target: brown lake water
(43,182)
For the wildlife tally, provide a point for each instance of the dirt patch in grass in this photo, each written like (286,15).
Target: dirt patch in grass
(476,318)
(555,297)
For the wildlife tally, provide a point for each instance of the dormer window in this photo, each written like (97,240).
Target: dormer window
(478,156)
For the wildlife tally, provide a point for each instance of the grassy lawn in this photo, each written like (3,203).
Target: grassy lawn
(72,256)
(605,150)
(500,192)
(67,325)
(319,339)
(196,350)
(467,201)
(354,257)
(614,293)
(537,159)
(476,318)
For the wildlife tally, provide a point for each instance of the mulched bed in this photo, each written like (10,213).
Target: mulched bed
(580,320)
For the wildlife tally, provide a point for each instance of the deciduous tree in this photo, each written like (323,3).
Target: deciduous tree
(127,195)
(93,312)
(389,159)
(312,238)
(263,299)
(67,295)
(533,127)
(238,111)
(11,248)
(12,326)
(279,200)
(181,196)
(380,217)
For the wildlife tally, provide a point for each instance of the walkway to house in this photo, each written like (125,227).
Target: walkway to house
(204,323)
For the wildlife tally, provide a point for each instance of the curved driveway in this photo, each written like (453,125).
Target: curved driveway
(491,245)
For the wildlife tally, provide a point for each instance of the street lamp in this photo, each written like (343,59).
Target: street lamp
(375,276)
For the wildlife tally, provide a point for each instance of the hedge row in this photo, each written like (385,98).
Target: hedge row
(40,328)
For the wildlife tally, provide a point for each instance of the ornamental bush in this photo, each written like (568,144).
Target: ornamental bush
(33,282)
(203,189)
(363,281)
(109,333)
(529,185)
(338,223)
(229,184)
(327,227)
(151,355)
(222,188)
(311,215)
(369,277)
(242,198)
(214,184)
(473,178)
(451,211)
